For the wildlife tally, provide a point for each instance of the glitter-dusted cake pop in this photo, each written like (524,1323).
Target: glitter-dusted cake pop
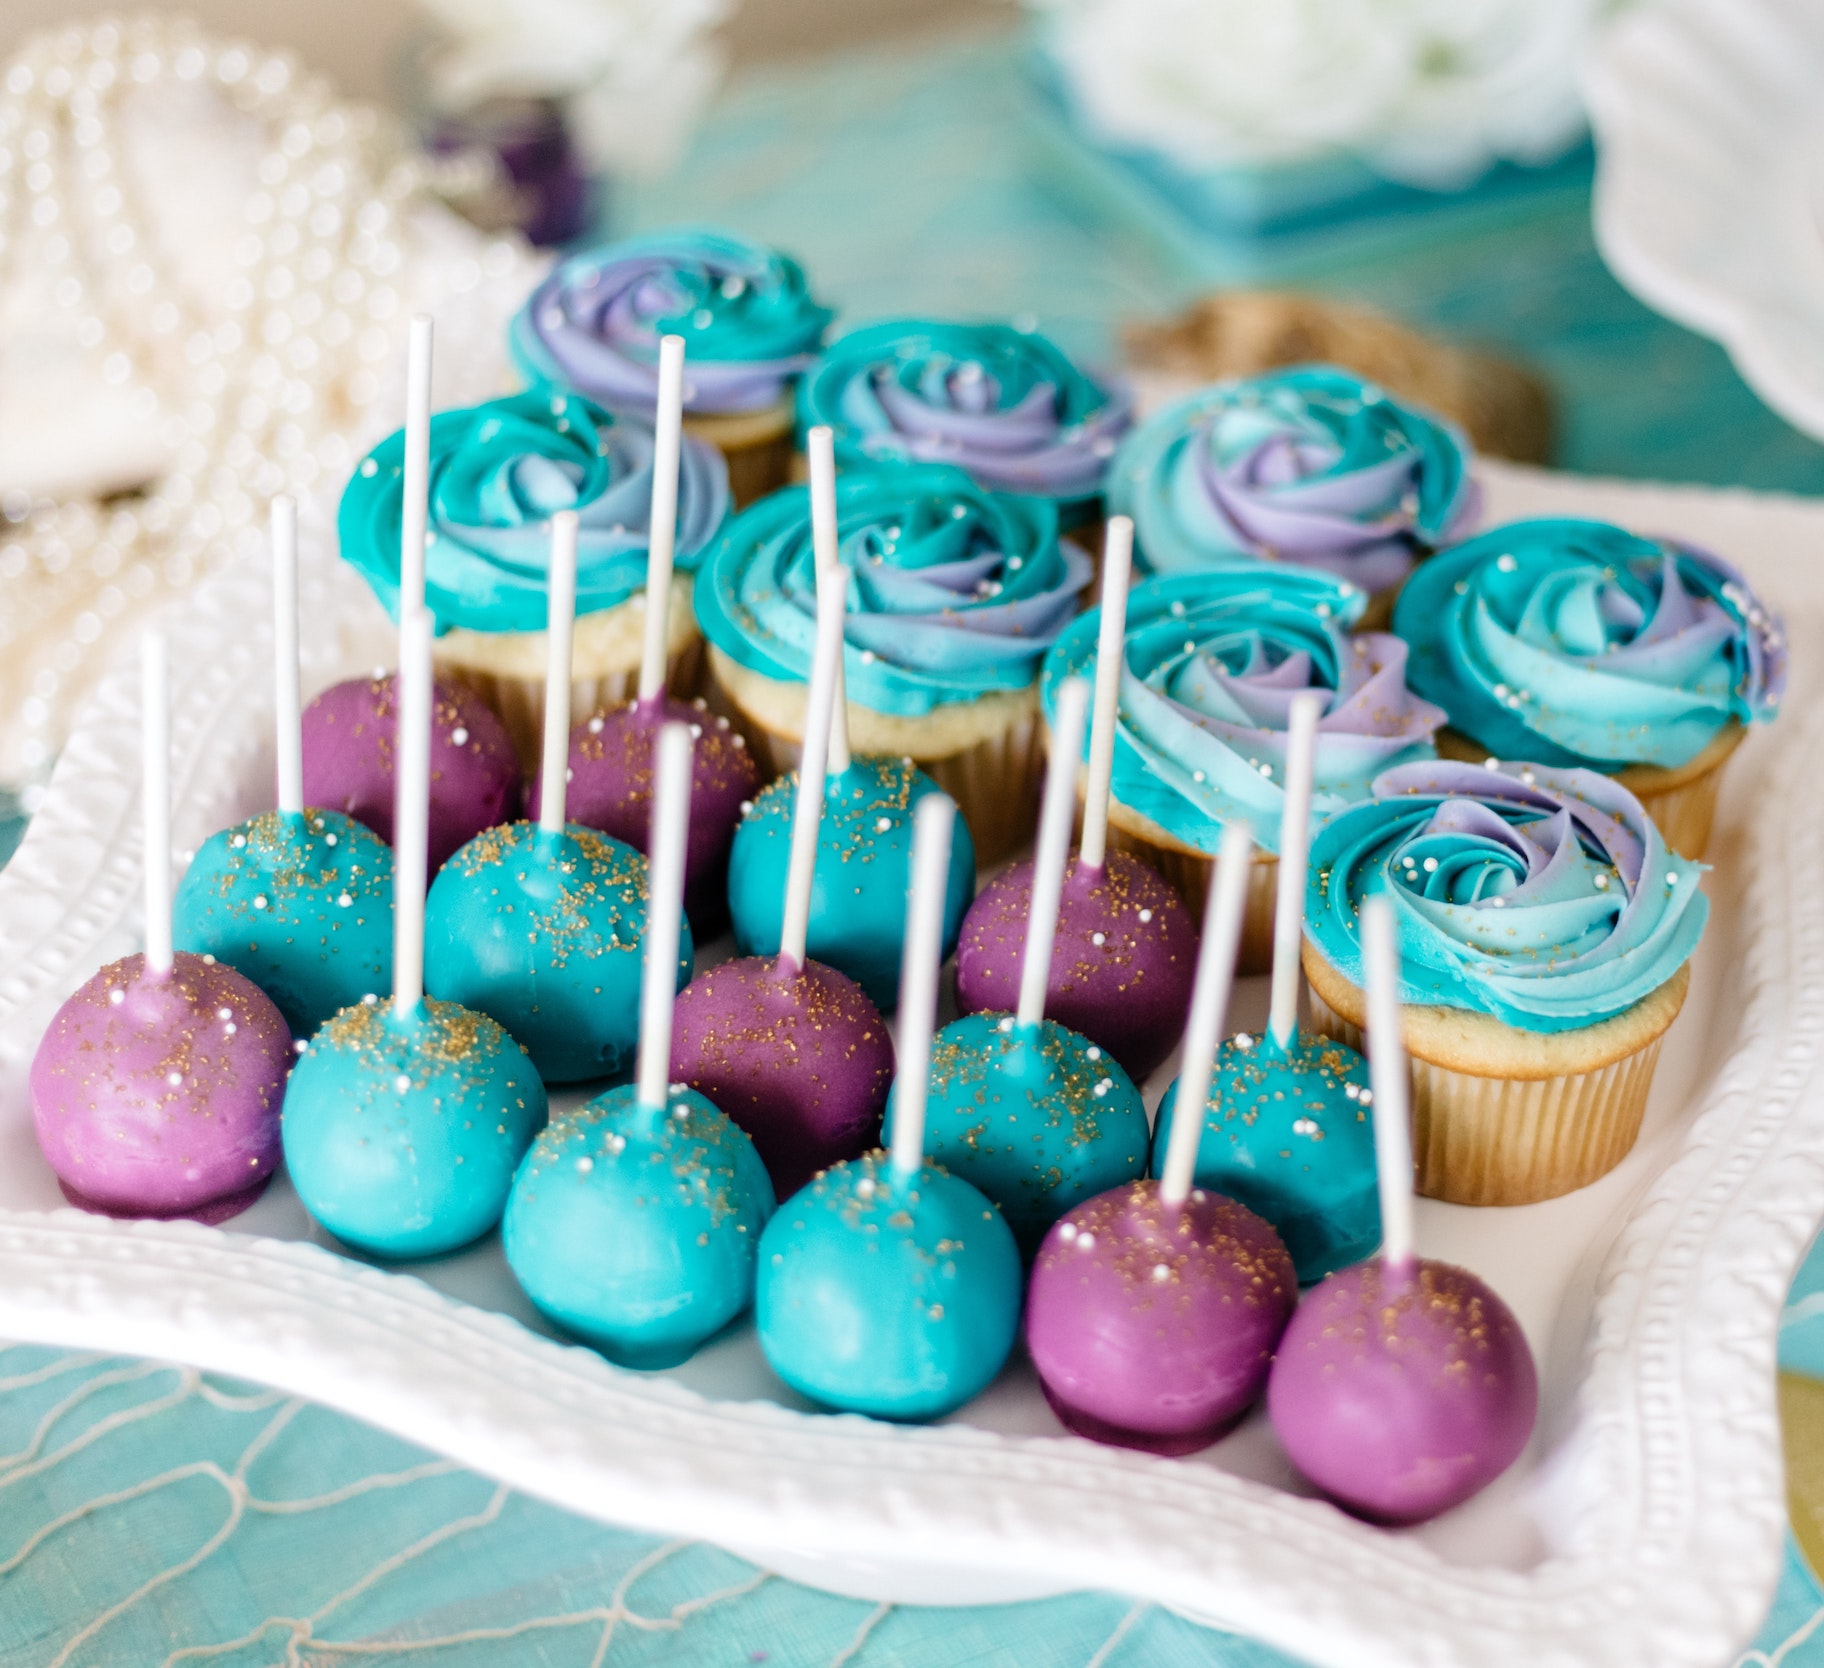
(889,1286)
(635,1222)
(1286,1128)
(405,1120)
(1154,1308)
(348,760)
(155,1091)
(1033,1113)
(300,902)
(790,1049)
(610,761)
(1125,948)
(1403,1385)
(539,924)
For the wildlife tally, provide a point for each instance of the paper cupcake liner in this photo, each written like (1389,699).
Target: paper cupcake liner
(520,702)
(756,447)
(1509,1140)
(1188,873)
(995,782)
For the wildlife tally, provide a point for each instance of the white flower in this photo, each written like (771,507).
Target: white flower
(635,73)
(1428,91)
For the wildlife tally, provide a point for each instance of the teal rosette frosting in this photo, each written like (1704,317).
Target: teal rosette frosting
(749,322)
(1310,466)
(1213,661)
(1576,643)
(1544,897)
(957,591)
(499,472)
(1002,403)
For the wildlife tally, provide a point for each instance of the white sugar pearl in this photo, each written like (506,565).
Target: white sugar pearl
(1067,1232)
(865,1187)
(1086,1242)
(175,1079)
(260,901)
(460,736)
(595,726)
(1303,1126)
(584,1165)
(224,1013)
(329,839)
(1007,1024)
(617,1143)
(343,901)
(1098,938)
(1161,1272)
(1093,1053)
(117,997)
(228,1030)
(882,824)
(1145,916)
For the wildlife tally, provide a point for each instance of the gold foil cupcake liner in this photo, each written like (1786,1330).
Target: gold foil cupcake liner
(1514,1140)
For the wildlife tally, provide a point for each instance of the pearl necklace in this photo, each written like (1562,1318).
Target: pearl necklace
(273,392)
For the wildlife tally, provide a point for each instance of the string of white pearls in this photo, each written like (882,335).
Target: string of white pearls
(264,386)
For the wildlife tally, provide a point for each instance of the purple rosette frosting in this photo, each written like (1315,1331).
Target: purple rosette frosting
(749,323)
(1310,466)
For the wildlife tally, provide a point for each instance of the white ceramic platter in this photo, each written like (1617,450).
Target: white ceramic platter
(1643,1526)
(1710,180)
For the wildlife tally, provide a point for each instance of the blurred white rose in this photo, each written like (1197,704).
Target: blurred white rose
(635,73)
(1429,91)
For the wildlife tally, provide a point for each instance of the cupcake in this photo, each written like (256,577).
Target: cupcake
(1213,661)
(499,472)
(750,328)
(957,594)
(1002,403)
(1310,466)
(1574,643)
(1545,937)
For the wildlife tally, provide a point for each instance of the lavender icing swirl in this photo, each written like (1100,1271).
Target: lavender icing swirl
(1213,661)
(1310,466)
(749,323)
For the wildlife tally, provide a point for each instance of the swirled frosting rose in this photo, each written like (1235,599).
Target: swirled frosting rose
(499,472)
(749,322)
(957,591)
(1213,661)
(1310,466)
(1002,403)
(1544,897)
(1574,642)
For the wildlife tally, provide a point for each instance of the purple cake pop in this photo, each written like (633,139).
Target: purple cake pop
(158,1094)
(1402,1392)
(611,789)
(800,1059)
(1153,1325)
(348,760)
(1121,965)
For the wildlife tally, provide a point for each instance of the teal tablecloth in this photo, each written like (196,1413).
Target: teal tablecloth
(152,1516)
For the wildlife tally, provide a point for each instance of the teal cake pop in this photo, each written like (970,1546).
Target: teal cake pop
(1286,1129)
(1033,1113)
(298,901)
(538,924)
(634,1223)
(404,1121)
(889,1286)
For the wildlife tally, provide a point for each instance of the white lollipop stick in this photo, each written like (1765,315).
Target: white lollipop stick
(414,511)
(560,632)
(155,790)
(807,813)
(820,451)
(1055,816)
(411,811)
(664,910)
(288,700)
(662,532)
(1117,565)
(1294,859)
(932,826)
(1209,1007)
(1387,1077)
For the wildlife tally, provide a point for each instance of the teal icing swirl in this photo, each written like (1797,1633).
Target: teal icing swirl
(1576,643)
(1544,897)
(957,591)
(1213,661)
(499,472)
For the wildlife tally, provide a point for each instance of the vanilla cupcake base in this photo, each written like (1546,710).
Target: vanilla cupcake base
(1680,799)
(1505,1116)
(1187,870)
(987,754)
(507,668)
(756,446)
